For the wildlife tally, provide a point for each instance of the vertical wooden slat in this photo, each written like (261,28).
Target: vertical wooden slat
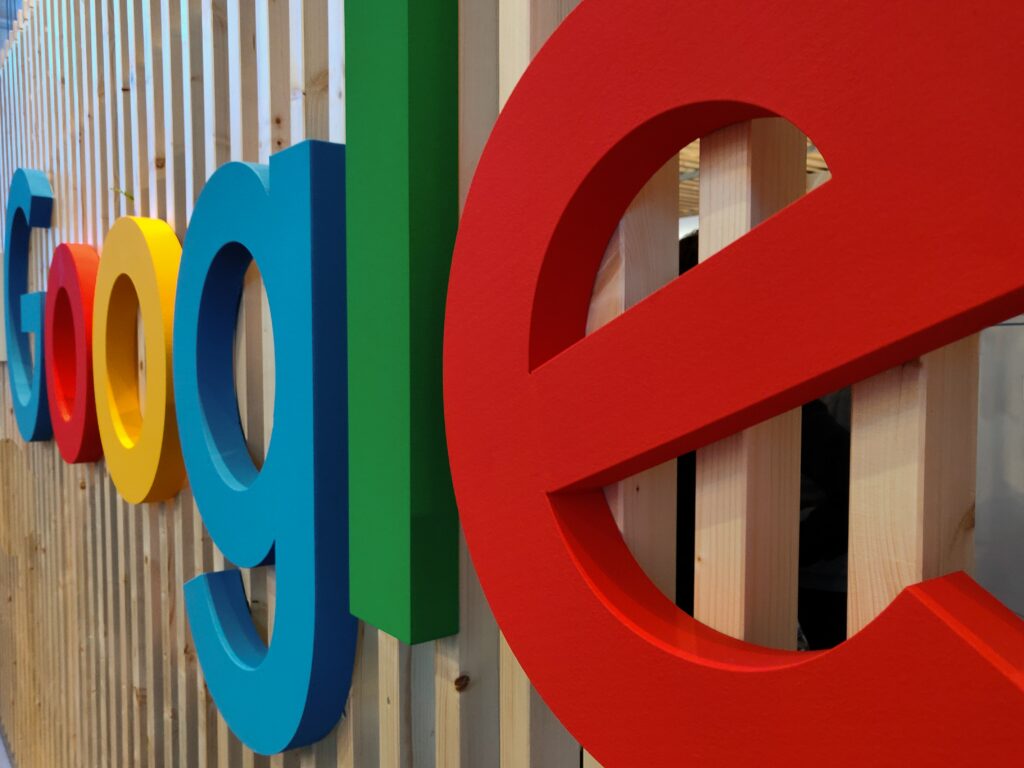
(61,657)
(466,665)
(336,70)
(395,702)
(106,93)
(242,95)
(95,699)
(138,125)
(50,738)
(316,72)
(150,201)
(35,612)
(358,737)
(191,55)
(529,733)
(642,256)
(272,78)
(359,742)
(172,70)
(173,28)
(748,485)
(217,126)
(912,476)
(189,165)
(215,150)
(120,95)
(77,545)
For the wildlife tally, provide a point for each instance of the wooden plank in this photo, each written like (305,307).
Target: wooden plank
(135,588)
(242,95)
(316,75)
(52,671)
(137,122)
(106,97)
(31,714)
(748,485)
(106,101)
(642,256)
(359,737)
(395,702)
(216,121)
(466,665)
(272,77)
(63,657)
(176,690)
(190,176)
(188,669)
(123,188)
(151,201)
(190,18)
(243,25)
(172,88)
(913,447)
(530,734)
(80,634)
(405,699)
(215,150)
(151,102)
(336,71)
(93,700)
(11,121)
(122,570)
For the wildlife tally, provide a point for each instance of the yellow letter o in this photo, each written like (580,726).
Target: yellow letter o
(138,273)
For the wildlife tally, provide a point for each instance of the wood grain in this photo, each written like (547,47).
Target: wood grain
(748,485)
(912,476)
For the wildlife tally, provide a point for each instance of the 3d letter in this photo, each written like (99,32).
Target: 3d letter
(290,220)
(403,160)
(29,204)
(68,343)
(137,275)
(537,424)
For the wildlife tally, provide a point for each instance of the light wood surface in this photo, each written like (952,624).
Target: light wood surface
(642,256)
(912,476)
(748,485)
(466,665)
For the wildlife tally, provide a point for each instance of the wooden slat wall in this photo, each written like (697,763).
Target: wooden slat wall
(748,485)
(129,106)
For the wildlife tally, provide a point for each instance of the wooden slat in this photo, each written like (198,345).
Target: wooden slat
(642,256)
(748,485)
(529,733)
(466,665)
(215,149)
(79,546)
(336,71)
(395,702)
(912,476)
(215,85)
(54,675)
(186,17)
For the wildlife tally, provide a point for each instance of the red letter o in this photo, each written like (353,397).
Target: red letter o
(68,351)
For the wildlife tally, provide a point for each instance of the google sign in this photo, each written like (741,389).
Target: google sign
(534,425)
